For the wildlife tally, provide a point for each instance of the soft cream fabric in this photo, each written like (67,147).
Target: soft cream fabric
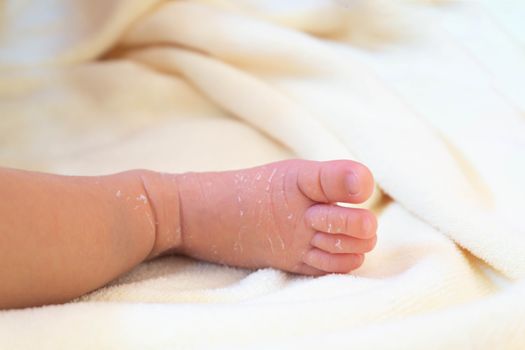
(430,95)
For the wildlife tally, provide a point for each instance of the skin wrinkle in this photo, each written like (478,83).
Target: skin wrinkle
(178,230)
(259,219)
(295,179)
(153,218)
(326,217)
(347,224)
(202,192)
(285,189)
(273,209)
(271,212)
(320,181)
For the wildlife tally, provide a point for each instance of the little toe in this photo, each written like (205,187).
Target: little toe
(341,244)
(335,263)
(305,269)
(355,222)
(336,181)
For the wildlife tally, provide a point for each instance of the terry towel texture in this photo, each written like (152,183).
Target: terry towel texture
(429,95)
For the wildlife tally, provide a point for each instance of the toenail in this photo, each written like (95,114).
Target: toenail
(352,182)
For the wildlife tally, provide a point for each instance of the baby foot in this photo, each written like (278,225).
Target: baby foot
(280,215)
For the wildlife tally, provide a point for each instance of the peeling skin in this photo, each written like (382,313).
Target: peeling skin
(272,174)
(150,220)
(271,244)
(282,242)
(237,178)
(249,207)
(270,178)
(142,198)
(238,246)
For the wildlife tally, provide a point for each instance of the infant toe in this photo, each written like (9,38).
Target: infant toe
(341,244)
(334,263)
(330,218)
(336,181)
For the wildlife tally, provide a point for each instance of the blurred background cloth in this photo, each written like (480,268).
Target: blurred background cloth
(429,94)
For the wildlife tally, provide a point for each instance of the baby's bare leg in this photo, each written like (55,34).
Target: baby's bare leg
(63,236)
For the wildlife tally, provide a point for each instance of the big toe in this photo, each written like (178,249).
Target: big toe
(336,181)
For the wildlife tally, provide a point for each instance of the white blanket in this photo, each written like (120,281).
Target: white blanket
(431,96)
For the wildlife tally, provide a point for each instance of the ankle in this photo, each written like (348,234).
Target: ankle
(163,192)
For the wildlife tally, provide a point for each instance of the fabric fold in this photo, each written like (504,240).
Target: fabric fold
(407,89)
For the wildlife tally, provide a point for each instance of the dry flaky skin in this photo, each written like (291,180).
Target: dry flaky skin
(281,215)
(77,233)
